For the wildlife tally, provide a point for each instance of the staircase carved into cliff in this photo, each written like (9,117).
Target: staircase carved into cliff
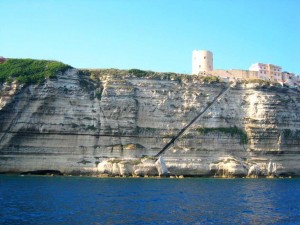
(185,129)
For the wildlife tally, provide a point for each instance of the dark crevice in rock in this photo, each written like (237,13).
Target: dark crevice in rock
(43,172)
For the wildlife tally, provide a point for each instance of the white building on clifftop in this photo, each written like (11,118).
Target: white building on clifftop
(268,72)
(202,61)
(202,64)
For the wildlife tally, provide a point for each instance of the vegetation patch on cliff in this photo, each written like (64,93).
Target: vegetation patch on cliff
(291,134)
(115,73)
(233,131)
(117,76)
(267,85)
(211,79)
(256,81)
(30,71)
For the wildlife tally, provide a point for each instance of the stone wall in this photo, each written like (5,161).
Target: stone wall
(234,74)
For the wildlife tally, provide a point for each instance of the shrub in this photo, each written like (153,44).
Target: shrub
(257,81)
(95,74)
(211,79)
(138,73)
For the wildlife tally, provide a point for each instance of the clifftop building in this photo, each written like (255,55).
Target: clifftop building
(202,64)
(202,61)
(267,71)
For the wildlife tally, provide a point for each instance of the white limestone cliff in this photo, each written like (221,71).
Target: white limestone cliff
(116,123)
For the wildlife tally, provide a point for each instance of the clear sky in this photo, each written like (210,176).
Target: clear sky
(157,35)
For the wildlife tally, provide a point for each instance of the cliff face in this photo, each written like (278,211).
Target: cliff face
(116,124)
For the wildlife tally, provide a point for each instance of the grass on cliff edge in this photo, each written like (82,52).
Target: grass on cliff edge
(30,71)
(95,74)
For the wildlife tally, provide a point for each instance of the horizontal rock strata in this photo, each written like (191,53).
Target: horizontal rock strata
(115,125)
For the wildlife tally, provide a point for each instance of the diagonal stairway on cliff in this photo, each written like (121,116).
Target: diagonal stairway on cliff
(185,129)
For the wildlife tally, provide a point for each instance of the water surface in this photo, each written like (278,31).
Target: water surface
(83,200)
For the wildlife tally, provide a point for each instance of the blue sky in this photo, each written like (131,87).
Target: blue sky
(157,35)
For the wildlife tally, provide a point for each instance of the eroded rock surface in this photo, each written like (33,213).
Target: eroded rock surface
(116,124)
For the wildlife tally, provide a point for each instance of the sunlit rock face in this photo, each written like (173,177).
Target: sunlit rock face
(116,124)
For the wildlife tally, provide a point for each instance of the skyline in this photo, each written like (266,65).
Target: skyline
(156,35)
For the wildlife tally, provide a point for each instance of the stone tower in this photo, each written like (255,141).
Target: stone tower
(202,61)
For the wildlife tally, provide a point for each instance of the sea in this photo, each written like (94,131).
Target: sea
(87,200)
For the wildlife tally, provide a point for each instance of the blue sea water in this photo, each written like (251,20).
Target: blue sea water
(83,200)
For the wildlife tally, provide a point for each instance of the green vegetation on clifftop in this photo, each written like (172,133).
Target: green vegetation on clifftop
(211,79)
(96,74)
(30,71)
